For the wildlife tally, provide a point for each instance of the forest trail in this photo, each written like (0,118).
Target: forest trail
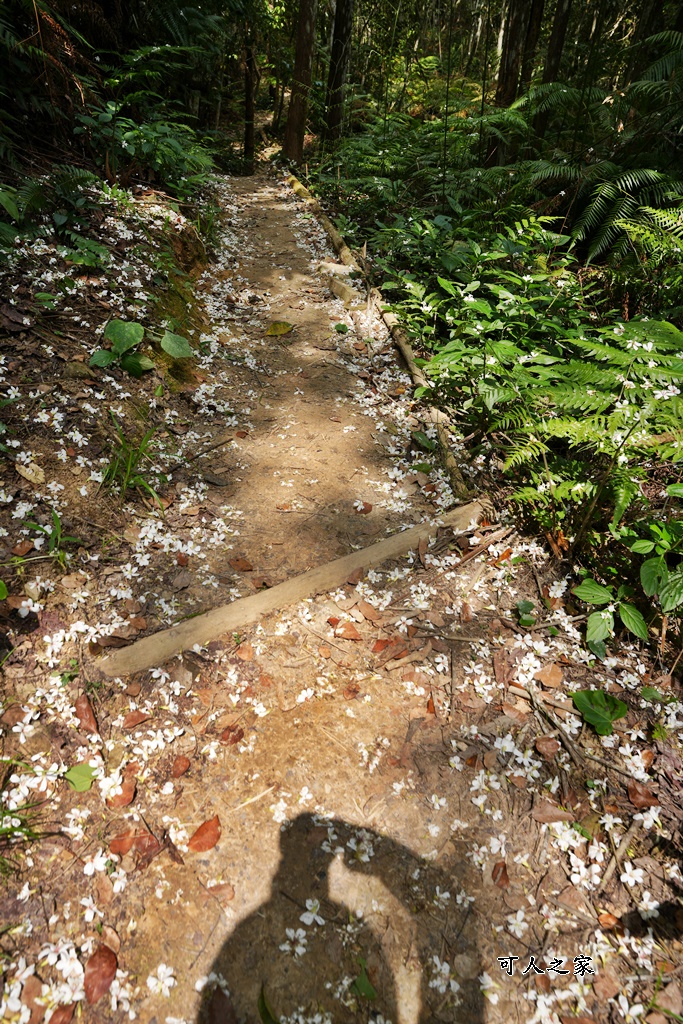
(349,811)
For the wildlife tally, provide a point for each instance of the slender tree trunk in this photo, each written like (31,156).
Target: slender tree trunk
(339,63)
(558,34)
(249,82)
(531,42)
(293,148)
(513,41)
(650,21)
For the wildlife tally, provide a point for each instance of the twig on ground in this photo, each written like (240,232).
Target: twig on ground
(619,852)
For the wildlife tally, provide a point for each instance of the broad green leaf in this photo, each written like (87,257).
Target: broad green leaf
(419,437)
(651,693)
(598,648)
(80,777)
(177,346)
(653,574)
(600,625)
(592,592)
(102,358)
(136,365)
(265,1013)
(633,620)
(341,328)
(524,607)
(362,986)
(599,709)
(671,593)
(448,286)
(123,335)
(3,591)
(279,327)
(643,547)
(675,490)
(10,206)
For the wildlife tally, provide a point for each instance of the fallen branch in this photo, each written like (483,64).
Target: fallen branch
(460,488)
(619,852)
(155,650)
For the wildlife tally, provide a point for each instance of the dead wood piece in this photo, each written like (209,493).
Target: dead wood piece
(459,486)
(155,650)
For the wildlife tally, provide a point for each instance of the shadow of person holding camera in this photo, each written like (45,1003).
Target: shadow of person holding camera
(357,928)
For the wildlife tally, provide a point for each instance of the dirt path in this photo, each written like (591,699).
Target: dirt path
(345,810)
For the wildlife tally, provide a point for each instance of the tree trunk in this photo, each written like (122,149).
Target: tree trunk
(339,63)
(249,83)
(293,148)
(650,21)
(513,40)
(531,42)
(558,34)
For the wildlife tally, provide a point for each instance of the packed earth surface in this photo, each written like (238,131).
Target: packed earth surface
(379,804)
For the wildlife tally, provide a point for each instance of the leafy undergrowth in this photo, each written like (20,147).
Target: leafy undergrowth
(422,714)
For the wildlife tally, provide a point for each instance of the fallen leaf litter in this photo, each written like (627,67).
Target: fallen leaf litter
(401,726)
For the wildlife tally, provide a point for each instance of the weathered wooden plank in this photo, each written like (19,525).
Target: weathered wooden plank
(153,651)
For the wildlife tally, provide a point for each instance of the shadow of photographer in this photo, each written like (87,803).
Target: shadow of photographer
(357,928)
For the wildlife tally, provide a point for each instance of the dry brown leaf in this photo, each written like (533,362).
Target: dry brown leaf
(550,675)
(123,843)
(22,548)
(180,766)
(364,509)
(245,651)
(490,758)
(220,1009)
(466,613)
(146,847)
(351,691)
(126,796)
(240,564)
(347,631)
(30,994)
(241,434)
(547,746)
(578,1020)
(206,836)
(182,559)
(368,612)
(33,473)
(133,689)
(100,971)
(104,889)
(504,557)
(607,920)
(607,984)
(138,622)
(134,718)
(671,999)
(380,645)
(647,757)
(500,875)
(324,652)
(503,668)
(355,577)
(546,812)
(85,715)
(222,891)
(518,781)
(110,937)
(63,1014)
(515,713)
(640,796)
(333,620)
(232,735)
